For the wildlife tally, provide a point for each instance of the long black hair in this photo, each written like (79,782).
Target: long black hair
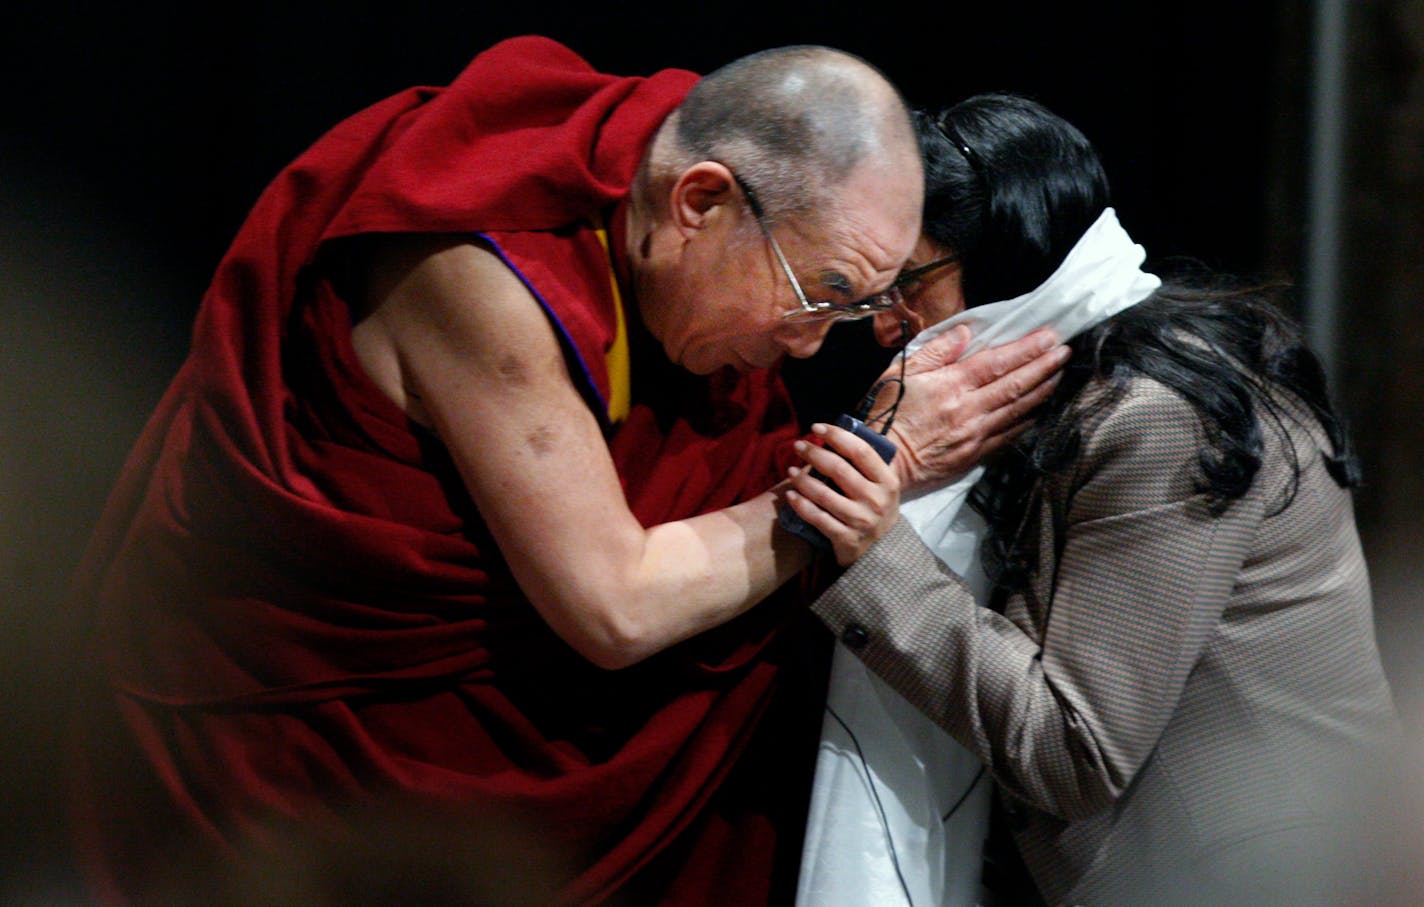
(1010,188)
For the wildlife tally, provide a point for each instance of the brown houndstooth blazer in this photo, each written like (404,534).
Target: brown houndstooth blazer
(1185,707)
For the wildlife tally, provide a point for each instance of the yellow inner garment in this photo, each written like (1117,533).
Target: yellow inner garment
(620,366)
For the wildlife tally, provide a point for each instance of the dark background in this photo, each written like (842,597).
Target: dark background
(135,137)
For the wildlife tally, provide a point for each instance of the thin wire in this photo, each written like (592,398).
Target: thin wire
(868,401)
(889,416)
(879,807)
(962,797)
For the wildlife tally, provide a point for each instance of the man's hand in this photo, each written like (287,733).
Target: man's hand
(955,413)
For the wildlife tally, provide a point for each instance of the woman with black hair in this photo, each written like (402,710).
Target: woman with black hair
(1172,677)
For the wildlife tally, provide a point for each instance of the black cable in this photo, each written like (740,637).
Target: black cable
(879,807)
(962,797)
(868,401)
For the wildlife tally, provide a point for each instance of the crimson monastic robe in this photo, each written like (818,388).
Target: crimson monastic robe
(309,656)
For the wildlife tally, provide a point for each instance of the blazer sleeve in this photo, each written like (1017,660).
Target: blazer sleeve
(1064,713)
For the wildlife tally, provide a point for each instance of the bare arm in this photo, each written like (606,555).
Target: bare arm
(461,342)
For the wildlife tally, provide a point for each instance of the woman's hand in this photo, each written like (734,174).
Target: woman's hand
(955,413)
(868,500)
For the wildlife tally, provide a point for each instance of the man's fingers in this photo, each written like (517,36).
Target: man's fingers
(1024,378)
(1011,398)
(942,350)
(956,413)
(989,365)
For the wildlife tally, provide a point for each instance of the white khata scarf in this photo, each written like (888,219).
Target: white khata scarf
(899,810)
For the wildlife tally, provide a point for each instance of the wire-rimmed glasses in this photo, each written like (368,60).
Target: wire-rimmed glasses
(820,310)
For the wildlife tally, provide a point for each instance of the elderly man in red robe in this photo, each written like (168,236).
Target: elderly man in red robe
(448,558)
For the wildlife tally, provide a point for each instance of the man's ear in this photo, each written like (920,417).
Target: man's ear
(700,194)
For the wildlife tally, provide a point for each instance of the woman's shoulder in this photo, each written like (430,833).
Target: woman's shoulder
(1139,450)
(1138,405)
(1136,426)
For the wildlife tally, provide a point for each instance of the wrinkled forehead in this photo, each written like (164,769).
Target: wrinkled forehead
(862,240)
(882,202)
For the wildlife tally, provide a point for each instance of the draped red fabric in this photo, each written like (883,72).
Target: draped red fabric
(309,657)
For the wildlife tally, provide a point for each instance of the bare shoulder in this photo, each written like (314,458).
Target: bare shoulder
(425,305)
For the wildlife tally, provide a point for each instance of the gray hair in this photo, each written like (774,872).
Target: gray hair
(792,123)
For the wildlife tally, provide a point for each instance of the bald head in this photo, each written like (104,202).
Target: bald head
(789,180)
(795,123)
